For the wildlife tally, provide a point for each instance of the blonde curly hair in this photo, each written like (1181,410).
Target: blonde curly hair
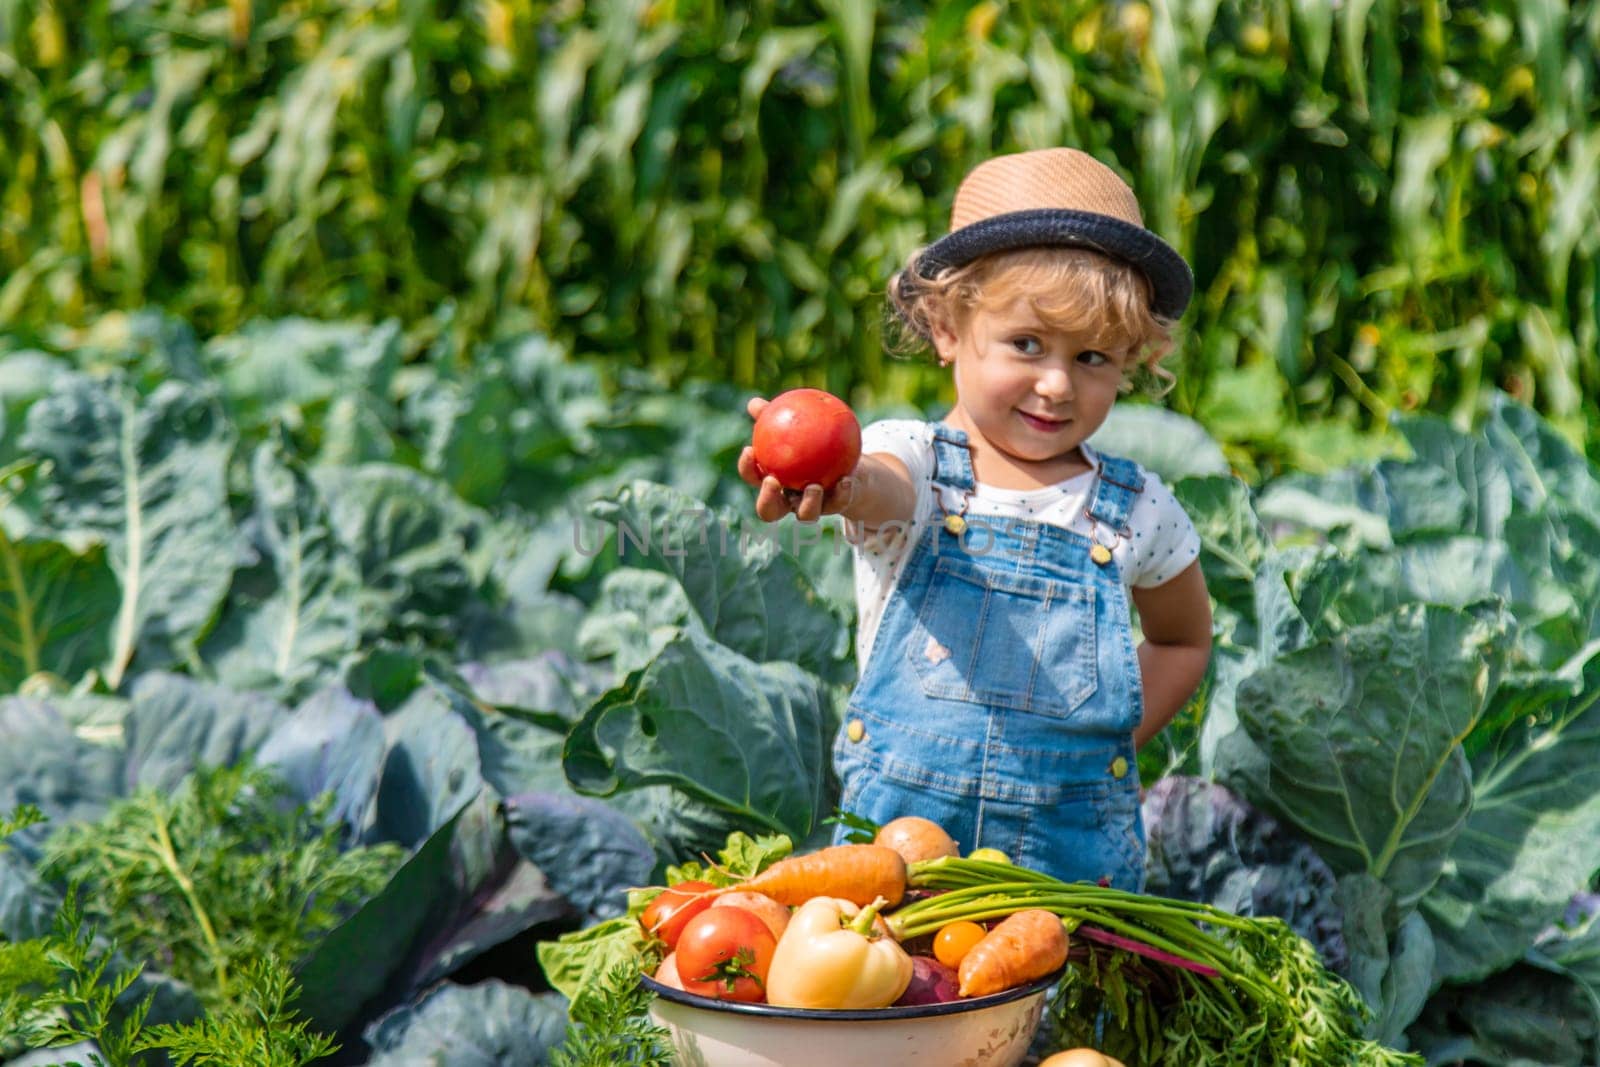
(1072,289)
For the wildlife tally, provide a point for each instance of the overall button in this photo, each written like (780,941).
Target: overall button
(857,730)
(1119,766)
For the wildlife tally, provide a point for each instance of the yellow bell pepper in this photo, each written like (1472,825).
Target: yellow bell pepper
(830,957)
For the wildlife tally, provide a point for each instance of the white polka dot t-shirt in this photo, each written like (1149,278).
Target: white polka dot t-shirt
(1161,544)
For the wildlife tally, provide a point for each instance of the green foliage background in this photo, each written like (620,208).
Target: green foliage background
(326,324)
(1389,205)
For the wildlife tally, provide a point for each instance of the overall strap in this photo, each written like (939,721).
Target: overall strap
(1116,486)
(952,458)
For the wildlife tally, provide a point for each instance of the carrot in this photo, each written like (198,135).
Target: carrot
(1026,945)
(857,873)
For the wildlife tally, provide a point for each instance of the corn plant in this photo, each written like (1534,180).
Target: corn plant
(1389,204)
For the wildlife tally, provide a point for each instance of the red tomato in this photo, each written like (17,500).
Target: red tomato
(671,910)
(806,436)
(725,953)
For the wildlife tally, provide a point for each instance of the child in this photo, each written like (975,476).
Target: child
(1001,694)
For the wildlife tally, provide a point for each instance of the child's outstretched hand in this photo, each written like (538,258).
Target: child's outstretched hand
(773,501)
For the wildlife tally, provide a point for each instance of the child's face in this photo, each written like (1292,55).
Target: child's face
(1033,390)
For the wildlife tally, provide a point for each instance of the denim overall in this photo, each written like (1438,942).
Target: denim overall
(1002,692)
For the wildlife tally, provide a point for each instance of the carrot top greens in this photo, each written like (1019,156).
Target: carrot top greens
(1270,999)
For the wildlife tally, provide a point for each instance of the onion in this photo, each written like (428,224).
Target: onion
(667,972)
(916,838)
(931,983)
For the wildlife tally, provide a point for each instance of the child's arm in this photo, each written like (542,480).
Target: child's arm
(878,491)
(1176,619)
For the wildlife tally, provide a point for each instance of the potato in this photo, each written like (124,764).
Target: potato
(1080,1057)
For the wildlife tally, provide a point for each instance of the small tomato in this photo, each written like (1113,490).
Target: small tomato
(671,910)
(953,942)
(725,953)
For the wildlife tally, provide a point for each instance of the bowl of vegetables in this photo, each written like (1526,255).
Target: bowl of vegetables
(994,1029)
(902,950)
(805,963)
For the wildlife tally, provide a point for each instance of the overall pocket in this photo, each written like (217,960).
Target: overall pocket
(1001,639)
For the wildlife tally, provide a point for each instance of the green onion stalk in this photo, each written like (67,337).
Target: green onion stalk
(1282,1003)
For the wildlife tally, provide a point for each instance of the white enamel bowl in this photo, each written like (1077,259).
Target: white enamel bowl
(992,1031)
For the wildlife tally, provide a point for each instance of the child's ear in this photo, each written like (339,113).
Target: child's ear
(944,338)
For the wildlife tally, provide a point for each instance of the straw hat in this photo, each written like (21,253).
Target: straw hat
(1056,197)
